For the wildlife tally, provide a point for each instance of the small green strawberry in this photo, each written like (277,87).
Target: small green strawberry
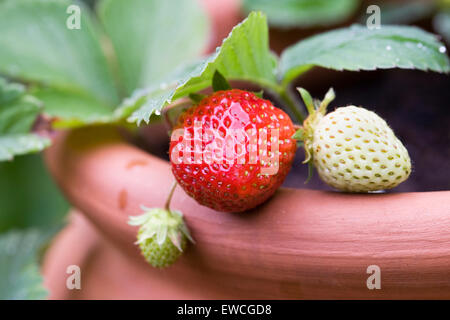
(162,235)
(352,148)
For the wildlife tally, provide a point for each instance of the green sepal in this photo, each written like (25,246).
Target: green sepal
(310,171)
(175,237)
(196,97)
(160,224)
(314,105)
(185,230)
(259,93)
(329,96)
(161,234)
(317,109)
(298,135)
(307,99)
(219,82)
(305,135)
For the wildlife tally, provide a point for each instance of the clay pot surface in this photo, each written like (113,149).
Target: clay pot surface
(301,244)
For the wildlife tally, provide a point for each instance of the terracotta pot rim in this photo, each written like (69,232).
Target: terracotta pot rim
(299,236)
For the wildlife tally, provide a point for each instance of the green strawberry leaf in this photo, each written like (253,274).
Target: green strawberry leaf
(72,109)
(219,82)
(18,111)
(38,47)
(143,104)
(244,55)
(152,37)
(20,277)
(17,144)
(358,48)
(303,13)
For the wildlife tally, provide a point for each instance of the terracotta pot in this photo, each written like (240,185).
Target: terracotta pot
(300,244)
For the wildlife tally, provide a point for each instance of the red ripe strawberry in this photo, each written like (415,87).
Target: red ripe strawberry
(233,151)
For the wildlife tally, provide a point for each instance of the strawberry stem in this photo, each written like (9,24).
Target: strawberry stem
(169,198)
(291,105)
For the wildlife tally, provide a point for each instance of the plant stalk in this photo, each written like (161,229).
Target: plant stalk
(169,198)
(291,105)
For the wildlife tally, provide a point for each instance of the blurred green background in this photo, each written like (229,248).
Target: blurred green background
(28,196)
(32,210)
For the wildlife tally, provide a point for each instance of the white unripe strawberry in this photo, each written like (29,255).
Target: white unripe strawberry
(352,148)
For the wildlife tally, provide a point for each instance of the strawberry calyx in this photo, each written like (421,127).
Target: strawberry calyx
(317,110)
(161,224)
